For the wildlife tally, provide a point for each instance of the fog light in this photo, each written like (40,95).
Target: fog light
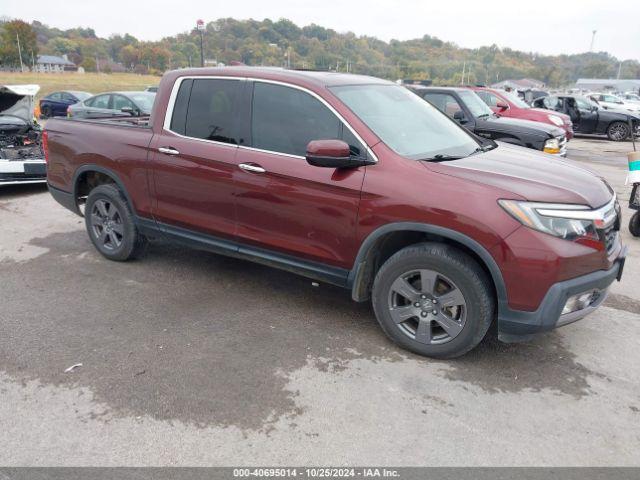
(580,301)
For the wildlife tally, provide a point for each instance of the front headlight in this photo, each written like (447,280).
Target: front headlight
(544,217)
(552,146)
(556,119)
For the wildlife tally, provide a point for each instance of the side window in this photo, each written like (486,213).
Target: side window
(444,102)
(488,98)
(120,102)
(285,119)
(355,146)
(210,110)
(68,98)
(550,102)
(55,96)
(179,116)
(101,101)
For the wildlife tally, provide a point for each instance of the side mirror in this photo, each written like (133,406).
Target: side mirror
(128,110)
(459,117)
(330,154)
(502,106)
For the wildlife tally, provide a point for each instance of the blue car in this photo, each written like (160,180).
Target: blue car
(55,104)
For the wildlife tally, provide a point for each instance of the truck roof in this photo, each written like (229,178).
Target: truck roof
(300,77)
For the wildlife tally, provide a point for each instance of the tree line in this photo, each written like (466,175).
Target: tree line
(283,43)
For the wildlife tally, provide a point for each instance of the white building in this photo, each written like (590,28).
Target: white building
(53,64)
(604,85)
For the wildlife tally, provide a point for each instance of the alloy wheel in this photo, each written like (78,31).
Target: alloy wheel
(106,224)
(427,306)
(619,132)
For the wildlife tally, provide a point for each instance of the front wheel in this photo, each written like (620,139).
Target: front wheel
(618,131)
(110,224)
(634,224)
(434,300)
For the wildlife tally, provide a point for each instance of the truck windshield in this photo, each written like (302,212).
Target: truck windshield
(407,124)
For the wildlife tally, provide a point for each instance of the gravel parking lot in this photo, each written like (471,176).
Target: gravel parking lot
(189,358)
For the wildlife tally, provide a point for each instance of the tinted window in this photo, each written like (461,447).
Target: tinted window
(55,96)
(488,98)
(210,111)
(444,102)
(179,118)
(286,119)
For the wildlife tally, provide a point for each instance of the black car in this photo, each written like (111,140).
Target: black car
(466,108)
(588,117)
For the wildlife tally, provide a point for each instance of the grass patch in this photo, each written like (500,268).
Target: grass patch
(87,82)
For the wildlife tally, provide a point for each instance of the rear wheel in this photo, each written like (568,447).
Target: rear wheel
(434,300)
(618,131)
(46,112)
(110,224)
(634,224)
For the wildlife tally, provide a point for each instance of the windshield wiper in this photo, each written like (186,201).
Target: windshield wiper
(441,158)
(484,115)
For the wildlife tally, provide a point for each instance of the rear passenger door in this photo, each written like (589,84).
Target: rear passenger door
(283,203)
(194,160)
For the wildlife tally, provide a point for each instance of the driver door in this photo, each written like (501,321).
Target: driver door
(283,204)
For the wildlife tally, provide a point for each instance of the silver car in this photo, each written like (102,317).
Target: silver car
(114,104)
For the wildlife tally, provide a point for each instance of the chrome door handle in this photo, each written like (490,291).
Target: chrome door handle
(168,151)
(247,167)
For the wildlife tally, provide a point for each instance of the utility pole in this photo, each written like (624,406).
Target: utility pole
(200,28)
(593,37)
(20,53)
(619,69)
(464,67)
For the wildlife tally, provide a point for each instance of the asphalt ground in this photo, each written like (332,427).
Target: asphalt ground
(189,358)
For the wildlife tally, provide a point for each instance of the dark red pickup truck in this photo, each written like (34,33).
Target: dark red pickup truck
(352,181)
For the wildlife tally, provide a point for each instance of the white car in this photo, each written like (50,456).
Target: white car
(613,102)
(21,154)
(631,97)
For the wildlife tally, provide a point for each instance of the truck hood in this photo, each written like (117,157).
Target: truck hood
(18,101)
(509,124)
(531,175)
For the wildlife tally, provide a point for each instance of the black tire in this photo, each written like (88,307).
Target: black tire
(618,131)
(116,237)
(457,268)
(45,112)
(634,224)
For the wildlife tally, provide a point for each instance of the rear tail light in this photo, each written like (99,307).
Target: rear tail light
(69,111)
(45,145)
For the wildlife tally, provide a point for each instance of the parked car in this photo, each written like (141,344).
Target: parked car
(55,104)
(613,102)
(589,118)
(114,104)
(21,154)
(466,108)
(507,104)
(631,97)
(353,181)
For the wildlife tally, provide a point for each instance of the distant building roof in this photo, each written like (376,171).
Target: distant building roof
(612,83)
(54,60)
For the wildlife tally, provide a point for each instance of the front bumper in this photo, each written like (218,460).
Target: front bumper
(517,325)
(23,171)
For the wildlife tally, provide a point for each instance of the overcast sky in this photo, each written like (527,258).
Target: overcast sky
(545,26)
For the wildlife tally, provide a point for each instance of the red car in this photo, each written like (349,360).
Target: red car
(507,104)
(352,181)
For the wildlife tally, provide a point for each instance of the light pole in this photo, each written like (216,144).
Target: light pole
(200,28)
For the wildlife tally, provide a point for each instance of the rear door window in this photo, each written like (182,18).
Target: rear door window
(101,101)
(206,108)
(286,119)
